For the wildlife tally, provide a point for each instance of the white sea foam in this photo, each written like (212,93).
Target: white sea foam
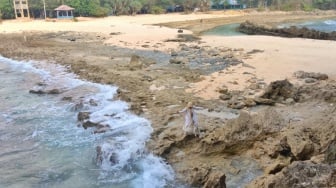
(154,177)
(330,22)
(124,154)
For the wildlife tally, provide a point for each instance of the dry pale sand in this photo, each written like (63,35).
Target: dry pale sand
(280,59)
(128,31)
(281,56)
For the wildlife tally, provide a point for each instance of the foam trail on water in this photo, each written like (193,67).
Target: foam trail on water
(124,155)
(124,160)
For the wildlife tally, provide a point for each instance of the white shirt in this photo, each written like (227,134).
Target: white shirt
(190,120)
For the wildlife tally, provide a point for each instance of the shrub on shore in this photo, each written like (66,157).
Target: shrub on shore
(307,7)
(157,10)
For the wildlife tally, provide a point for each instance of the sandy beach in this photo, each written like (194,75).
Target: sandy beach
(158,73)
(279,59)
(282,56)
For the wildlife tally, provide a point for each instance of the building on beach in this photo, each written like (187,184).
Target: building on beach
(21,8)
(64,12)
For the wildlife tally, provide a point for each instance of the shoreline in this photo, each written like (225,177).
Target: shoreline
(156,90)
(274,18)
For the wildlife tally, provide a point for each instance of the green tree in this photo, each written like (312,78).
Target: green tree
(164,3)
(6,9)
(217,3)
(135,6)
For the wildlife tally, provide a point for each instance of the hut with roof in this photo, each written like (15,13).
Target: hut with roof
(64,12)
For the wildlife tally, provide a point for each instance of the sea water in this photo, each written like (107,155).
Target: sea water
(320,25)
(225,30)
(43,145)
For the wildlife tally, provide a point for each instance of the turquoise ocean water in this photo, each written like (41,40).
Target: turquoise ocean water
(224,30)
(320,25)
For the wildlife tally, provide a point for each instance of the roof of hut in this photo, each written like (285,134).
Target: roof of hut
(64,7)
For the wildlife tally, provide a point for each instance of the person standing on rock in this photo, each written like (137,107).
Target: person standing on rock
(190,118)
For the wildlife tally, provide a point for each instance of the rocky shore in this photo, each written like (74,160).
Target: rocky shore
(278,134)
(293,31)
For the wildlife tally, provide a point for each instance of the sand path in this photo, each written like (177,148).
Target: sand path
(280,59)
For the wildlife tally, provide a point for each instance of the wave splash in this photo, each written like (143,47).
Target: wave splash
(330,22)
(121,157)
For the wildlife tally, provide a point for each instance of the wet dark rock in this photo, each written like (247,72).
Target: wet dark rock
(99,155)
(72,39)
(215,180)
(81,116)
(41,91)
(113,158)
(136,108)
(283,149)
(101,130)
(310,75)
(92,102)
(178,60)
(279,91)
(305,174)
(88,124)
(145,46)
(67,98)
(235,83)
(223,90)
(256,29)
(37,91)
(54,91)
(115,33)
(305,152)
(330,155)
(276,168)
(254,51)
(264,101)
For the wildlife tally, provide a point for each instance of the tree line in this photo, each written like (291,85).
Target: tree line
(101,8)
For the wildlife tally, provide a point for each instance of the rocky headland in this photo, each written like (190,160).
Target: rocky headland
(291,32)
